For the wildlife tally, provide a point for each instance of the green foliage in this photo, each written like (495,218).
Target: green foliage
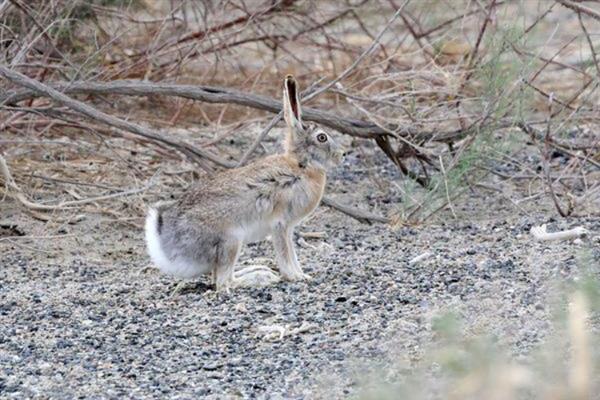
(589,283)
(500,96)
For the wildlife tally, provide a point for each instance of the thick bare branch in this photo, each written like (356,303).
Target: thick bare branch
(220,95)
(580,8)
(358,214)
(92,113)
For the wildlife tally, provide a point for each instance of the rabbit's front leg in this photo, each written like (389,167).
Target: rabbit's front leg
(287,261)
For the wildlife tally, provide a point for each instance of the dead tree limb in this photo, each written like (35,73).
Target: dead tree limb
(580,8)
(208,94)
(358,214)
(221,95)
(41,89)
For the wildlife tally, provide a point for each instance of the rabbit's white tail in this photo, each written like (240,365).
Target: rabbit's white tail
(155,249)
(179,268)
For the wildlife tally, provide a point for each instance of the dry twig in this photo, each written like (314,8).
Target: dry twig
(540,233)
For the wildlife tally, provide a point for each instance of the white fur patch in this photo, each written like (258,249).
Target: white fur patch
(250,233)
(178,268)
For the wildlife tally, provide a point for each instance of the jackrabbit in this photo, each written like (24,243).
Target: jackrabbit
(205,229)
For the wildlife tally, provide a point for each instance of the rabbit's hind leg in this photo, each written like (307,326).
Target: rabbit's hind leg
(226,255)
(226,277)
(255,276)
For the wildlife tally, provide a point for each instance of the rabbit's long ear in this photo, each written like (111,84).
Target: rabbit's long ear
(291,104)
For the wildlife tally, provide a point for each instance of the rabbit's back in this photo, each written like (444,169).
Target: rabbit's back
(272,189)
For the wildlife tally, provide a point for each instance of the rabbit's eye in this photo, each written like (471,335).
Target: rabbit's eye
(322,138)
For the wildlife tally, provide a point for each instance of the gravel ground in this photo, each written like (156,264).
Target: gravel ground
(79,317)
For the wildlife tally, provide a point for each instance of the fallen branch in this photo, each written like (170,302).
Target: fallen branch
(540,233)
(220,95)
(360,215)
(580,8)
(44,90)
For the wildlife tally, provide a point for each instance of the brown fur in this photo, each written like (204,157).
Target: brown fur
(204,230)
